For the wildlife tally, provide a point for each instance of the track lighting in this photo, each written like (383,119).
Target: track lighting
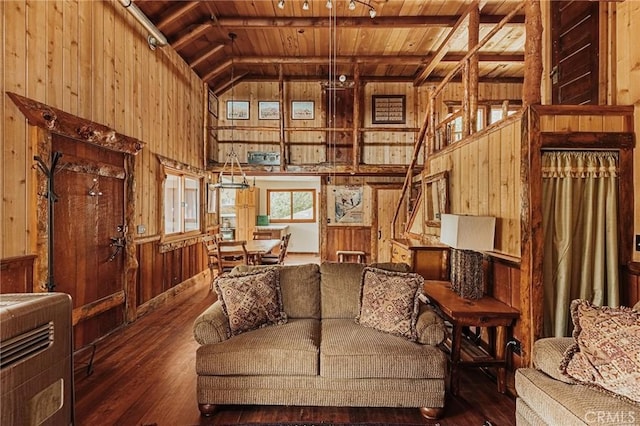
(281,4)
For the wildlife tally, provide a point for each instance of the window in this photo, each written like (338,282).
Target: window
(181,203)
(291,205)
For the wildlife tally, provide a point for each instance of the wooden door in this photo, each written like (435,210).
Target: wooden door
(88,227)
(575,39)
(386,200)
(340,116)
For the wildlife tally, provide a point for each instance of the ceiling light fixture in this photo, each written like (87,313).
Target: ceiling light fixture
(281,4)
(305,5)
(372,13)
(329,4)
(352,5)
(228,181)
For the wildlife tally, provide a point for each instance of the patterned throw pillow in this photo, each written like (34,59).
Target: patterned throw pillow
(606,352)
(251,300)
(389,301)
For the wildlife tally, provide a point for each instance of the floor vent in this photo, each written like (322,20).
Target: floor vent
(25,345)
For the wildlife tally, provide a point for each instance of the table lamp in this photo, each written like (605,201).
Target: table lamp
(467,236)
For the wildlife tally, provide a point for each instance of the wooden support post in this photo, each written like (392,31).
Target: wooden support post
(284,157)
(531,91)
(473,71)
(356,118)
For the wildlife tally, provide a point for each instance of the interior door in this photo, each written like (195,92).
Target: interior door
(386,200)
(88,234)
(574,34)
(340,116)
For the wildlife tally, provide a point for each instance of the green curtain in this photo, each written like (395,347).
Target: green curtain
(580,222)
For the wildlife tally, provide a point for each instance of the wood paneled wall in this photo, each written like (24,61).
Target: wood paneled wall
(160,271)
(91,59)
(484,176)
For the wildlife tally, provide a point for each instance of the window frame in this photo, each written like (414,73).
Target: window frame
(291,213)
(182,179)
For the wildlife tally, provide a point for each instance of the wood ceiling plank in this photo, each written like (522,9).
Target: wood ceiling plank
(203,56)
(176,13)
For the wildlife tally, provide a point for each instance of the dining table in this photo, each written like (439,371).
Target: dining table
(256,248)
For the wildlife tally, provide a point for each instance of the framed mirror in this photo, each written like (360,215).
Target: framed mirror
(436,198)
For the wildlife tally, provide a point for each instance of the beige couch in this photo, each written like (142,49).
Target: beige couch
(547,397)
(321,356)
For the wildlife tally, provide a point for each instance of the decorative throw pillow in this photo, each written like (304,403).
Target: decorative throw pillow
(606,352)
(251,300)
(389,301)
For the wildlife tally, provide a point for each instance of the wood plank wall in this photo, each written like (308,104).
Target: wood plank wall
(91,59)
(484,175)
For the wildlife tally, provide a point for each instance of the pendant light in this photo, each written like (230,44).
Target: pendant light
(227,178)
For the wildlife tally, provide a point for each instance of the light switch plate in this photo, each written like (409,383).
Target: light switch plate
(141,229)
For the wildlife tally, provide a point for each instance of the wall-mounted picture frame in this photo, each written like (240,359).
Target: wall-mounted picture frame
(212,198)
(302,110)
(237,110)
(213,104)
(388,109)
(268,110)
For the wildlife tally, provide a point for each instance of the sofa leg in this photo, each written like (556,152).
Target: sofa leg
(432,413)
(207,410)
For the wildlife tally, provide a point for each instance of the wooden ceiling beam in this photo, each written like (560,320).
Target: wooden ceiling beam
(176,13)
(196,32)
(216,71)
(380,59)
(359,22)
(227,84)
(456,32)
(206,54)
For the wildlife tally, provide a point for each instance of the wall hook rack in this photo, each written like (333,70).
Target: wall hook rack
(52,197)
(94,191)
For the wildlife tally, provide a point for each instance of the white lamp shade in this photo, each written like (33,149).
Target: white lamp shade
(468,232)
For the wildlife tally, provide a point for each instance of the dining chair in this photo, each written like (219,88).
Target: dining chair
(231,254)
(261,235)
(210,246)
(277,259)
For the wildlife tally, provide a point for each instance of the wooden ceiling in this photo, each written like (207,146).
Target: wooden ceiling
(408,40)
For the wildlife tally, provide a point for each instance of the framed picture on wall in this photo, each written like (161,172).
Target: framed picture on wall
(302,110)
(213,104)
(237,110)
(268,110)
(388,109)
(212,198)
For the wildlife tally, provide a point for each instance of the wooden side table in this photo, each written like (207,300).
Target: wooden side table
(484,312)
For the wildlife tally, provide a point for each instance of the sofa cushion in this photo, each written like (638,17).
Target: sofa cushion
(351,351)
(606,352)
(300,287)
(340,289)
(548,354)
(251,300)
(558,403)
(389,301)
(282,350)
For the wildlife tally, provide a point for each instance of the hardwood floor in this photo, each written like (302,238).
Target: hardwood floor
(145,375)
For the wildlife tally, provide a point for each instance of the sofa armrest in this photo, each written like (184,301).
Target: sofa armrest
(547,355)
(430,327)
(212,326)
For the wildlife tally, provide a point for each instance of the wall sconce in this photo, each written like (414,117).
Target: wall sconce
(468,236)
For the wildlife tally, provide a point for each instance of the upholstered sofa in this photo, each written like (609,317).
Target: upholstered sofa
(549,396)
(320,356)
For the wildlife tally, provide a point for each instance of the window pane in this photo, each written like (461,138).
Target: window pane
(280,205)
(172,204)
(191,204)
(303,205)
